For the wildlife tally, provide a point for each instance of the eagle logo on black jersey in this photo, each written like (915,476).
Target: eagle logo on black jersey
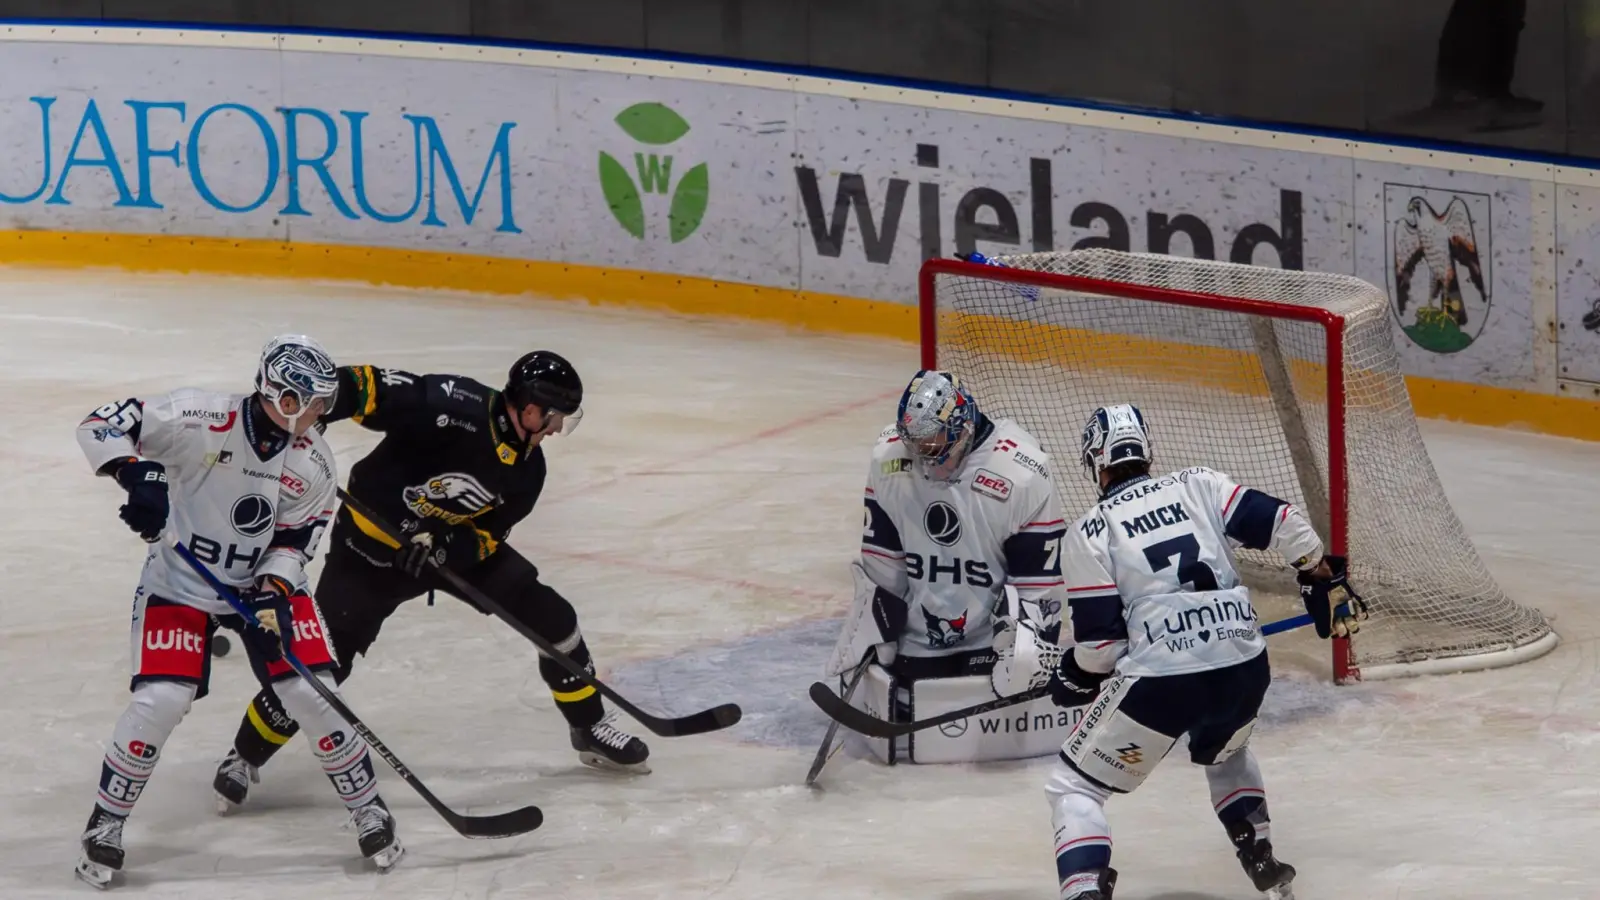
(945,632)
(468,495)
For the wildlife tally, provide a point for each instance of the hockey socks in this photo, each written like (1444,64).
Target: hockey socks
(264,729)
(579,703)
(348,764)
(136,742)
(1239,796)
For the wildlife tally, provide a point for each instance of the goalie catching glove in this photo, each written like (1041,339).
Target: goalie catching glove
(1335,607)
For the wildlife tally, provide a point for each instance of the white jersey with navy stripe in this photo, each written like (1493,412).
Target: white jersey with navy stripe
(948,549)
(1150,573)
(244,515)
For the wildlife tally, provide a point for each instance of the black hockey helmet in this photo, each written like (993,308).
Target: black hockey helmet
(547,379)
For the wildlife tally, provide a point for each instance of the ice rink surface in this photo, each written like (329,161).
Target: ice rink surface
(701,521)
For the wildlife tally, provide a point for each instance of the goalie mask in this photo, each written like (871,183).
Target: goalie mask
(1114,435)
(936,421)
(297,377)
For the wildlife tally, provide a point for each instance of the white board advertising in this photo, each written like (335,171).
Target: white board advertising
(776,183)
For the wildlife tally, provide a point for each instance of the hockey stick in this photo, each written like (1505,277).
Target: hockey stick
(854,719)
(713,719)
(833,727)
(507,824)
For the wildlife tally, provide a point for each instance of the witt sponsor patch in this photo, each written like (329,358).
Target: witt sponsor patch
(987,482)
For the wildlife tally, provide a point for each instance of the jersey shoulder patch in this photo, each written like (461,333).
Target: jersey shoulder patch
(1015,456)
(889,455)
(195,407)
(309,467)
(461,403)
(1092,524)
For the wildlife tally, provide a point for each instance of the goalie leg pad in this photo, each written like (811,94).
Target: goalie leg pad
(875,616)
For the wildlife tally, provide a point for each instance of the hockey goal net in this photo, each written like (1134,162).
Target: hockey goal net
(1287,381)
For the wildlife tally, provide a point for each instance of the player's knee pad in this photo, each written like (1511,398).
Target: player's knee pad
(306,706)
(1109,747)
(157,707)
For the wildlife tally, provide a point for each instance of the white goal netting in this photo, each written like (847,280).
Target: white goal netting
(1243,387)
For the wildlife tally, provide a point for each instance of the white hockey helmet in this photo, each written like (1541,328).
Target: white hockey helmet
(296,368)
(1113,435)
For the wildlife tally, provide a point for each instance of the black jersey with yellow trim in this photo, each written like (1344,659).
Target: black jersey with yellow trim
(449,454)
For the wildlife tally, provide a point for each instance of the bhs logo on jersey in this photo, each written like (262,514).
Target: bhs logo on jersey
(252,515)
(945,632)
(941,523)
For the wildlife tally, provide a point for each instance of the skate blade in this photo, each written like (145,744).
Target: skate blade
(596,761)
(386,858)
(226,807)
(94,874)
(1281,892)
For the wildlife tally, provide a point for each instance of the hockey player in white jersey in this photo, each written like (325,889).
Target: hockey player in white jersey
(247,484)
(958,507)
(1168,645)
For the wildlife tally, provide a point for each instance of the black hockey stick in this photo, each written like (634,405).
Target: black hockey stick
(713,719)
(823,754)
(840,711)
(507,824)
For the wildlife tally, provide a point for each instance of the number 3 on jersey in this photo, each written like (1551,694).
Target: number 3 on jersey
(1191,571)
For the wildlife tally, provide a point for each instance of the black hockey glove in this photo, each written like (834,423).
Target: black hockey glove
(1071,685)
(1335,607)
(147,507)
(460,544)
(263,630)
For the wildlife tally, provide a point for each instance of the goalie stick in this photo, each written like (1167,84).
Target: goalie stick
(713,719)
(823,754)
(502,825)
(842,713)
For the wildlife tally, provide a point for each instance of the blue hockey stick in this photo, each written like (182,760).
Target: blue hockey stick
(872,726)
(508,824)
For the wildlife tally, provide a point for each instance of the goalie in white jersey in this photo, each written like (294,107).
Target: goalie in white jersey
(1168,645)
(958,507)
(247,484)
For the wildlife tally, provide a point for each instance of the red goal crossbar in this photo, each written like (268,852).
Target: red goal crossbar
(1331,323)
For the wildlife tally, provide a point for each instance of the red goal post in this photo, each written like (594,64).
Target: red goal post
(1287,381)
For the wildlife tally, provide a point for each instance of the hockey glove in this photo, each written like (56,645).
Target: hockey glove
(263,631)
(461,544)
(1335,607)
(1072,685)
(147,506)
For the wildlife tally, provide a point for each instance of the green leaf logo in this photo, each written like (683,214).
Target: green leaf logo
(654,125)
(689,202)
(621,195)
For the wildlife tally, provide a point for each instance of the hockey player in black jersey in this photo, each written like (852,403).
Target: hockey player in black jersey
(459,465)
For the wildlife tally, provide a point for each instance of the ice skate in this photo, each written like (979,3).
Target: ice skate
(232,784)
(376,836)
(102,849)
(605,746)
(1102,889)
(1271,877)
